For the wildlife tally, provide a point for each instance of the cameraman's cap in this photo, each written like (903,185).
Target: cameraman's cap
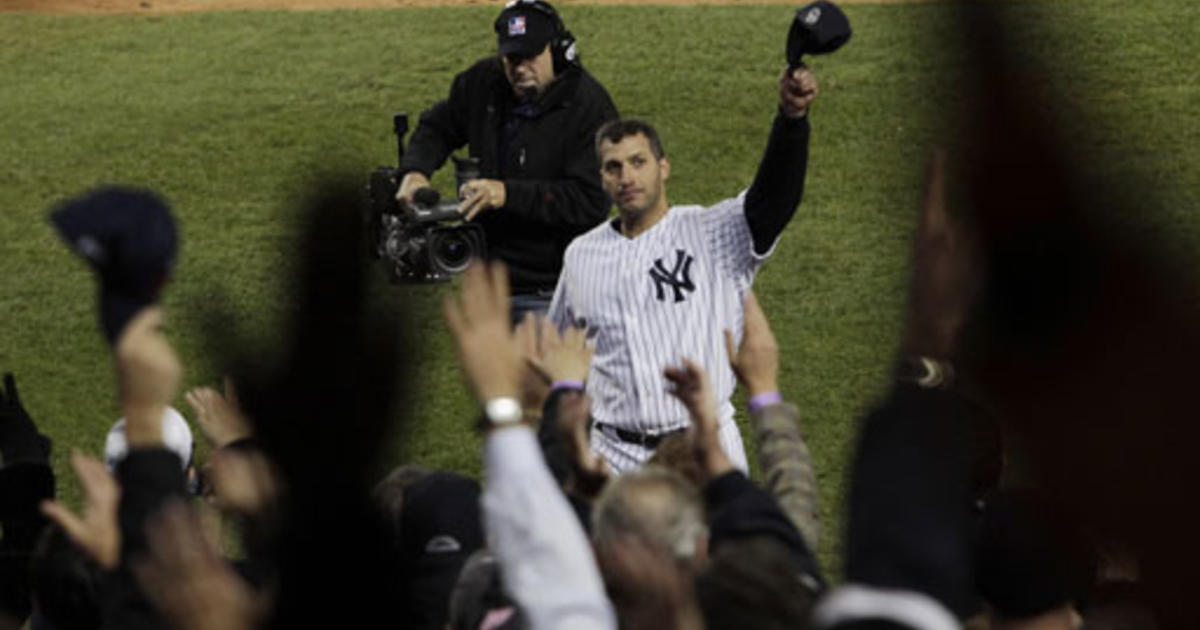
(523,30)
(129,237)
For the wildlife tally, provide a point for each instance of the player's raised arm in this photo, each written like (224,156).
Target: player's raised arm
(779,185)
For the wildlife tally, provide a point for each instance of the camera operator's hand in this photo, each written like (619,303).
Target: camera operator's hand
(410,184)
(478,195)
(797,91)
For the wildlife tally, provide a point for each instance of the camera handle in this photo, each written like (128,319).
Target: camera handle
(400,127)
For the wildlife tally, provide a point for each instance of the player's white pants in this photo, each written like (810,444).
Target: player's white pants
(625,456)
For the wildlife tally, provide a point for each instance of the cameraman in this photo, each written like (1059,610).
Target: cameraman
(528,115)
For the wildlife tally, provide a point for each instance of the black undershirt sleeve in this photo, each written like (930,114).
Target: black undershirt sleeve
(775,194)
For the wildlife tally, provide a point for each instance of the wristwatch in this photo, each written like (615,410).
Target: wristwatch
(503,411)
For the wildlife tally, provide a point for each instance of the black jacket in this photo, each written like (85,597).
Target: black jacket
(546,158)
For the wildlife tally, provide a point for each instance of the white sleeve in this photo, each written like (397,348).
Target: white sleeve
(545,560)
(730,239)
(560,313)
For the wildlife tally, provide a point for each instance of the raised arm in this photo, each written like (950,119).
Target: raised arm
(544,556)
(779,185)
(782,452)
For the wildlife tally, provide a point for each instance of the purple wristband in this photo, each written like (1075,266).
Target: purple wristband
(567,383)
(765,399)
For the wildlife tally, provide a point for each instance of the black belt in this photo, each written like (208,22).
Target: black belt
(646,440)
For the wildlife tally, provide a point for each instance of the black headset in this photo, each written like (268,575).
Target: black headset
(562,44)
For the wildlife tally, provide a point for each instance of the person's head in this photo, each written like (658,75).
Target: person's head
(656,505)
(675,453)
(633,166)
(434,518)
(754,583)
(533,45)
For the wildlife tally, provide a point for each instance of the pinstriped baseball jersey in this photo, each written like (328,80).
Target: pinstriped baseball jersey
(654,300)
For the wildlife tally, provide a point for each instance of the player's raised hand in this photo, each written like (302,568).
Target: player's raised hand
(96,531)
(480,323)
(149,373)
(692,388)
(756,362)
(797,90)
(219,417)
(564,357)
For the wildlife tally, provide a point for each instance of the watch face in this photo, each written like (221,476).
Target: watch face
(503,411)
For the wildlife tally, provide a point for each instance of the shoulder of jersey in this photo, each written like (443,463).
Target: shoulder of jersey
(598,234)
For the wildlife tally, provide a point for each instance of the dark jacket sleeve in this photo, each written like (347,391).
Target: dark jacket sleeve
(23,487)
(575,199)
(910,523)
(737,508)
(440,130)
(149,478)
(779,185)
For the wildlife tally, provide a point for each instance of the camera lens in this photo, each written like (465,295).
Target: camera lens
(451,251)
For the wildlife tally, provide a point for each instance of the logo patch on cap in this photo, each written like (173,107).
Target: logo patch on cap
(442,544)
(516,25)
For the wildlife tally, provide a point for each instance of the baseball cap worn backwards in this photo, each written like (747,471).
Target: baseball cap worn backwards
(129,238)
(523,31)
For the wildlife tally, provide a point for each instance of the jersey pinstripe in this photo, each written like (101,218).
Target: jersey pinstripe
(654,300)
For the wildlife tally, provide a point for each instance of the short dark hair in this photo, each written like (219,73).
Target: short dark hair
(755,582)
(615,130)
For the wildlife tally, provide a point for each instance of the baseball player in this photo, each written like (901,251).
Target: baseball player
(658,283)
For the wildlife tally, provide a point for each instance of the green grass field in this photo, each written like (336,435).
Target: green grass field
(232,115)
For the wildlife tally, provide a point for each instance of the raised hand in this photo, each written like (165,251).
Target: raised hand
(190,584)
(797,90)
(534,389)
(96,531)
(943,265)
(565,357)
(480,323)
(589,471)
(756,362)
(149,373)
(219,417)
(692,388)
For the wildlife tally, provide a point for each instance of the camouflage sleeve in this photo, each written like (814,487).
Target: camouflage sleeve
(787,467)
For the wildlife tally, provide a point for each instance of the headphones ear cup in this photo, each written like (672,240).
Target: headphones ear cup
(566,49)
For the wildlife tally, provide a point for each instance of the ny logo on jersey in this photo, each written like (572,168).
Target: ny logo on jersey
(679,278)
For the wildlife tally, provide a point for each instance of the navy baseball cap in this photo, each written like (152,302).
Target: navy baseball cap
(523,30)
(129,238)
(440,527)
(817,29)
